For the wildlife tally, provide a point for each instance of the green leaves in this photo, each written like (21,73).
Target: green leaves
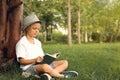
(94,14)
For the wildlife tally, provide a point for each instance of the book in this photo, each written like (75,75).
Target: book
(48,58)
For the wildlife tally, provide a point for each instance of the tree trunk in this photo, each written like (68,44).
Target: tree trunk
(10,28)
(44,36)
(2,26)
(117,32)
(86,36)
(79,38)
(69,25)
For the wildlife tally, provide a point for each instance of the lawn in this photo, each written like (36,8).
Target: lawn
(92,61)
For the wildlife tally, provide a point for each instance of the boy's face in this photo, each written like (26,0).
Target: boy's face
(33,30)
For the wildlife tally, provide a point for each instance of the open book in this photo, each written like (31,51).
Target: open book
(48,58)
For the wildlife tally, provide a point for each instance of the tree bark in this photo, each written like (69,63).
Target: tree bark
(78,30)
(2,26)
(86,36)
(69,24)
(10,28)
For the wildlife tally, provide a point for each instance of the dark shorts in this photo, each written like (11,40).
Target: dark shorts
(32,69)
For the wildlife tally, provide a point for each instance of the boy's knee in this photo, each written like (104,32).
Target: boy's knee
(65,62)
(45,67)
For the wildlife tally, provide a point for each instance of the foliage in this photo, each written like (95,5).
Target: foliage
(59,38)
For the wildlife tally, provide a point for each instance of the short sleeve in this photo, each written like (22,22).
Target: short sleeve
(20,51)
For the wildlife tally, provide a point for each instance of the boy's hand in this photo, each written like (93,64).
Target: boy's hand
(39,59)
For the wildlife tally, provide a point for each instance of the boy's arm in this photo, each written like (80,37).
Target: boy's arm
(29,61)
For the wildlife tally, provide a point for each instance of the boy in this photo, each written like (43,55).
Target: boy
(29,51)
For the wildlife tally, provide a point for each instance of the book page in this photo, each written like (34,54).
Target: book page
(56,55)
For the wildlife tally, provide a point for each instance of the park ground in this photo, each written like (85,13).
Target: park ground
(93,61)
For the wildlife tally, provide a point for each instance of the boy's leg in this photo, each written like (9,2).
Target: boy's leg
(61,65)
(48,69)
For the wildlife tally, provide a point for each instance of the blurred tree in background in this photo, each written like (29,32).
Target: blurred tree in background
(97,17)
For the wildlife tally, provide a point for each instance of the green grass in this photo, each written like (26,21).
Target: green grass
(91,61)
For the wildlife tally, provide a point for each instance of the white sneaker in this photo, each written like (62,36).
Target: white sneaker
(26,74)
(37,76)
(45,76)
